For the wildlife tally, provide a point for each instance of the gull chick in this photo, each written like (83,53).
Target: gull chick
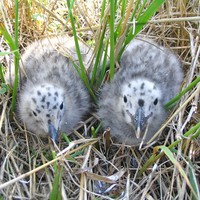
(132,104)
(52,97)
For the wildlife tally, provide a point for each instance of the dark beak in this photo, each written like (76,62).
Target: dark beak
(140,121)
(53,132)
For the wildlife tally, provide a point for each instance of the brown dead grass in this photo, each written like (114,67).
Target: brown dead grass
(100,170)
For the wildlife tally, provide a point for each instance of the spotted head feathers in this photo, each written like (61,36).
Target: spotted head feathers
(43,109)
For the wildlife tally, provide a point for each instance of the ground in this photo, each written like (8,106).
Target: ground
(96,168)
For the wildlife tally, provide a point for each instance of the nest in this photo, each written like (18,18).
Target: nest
(92,166)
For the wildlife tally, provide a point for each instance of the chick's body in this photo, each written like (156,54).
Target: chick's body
(132,104)
(52,96)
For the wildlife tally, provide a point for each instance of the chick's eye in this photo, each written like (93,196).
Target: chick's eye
(125,99)
(61,106)
(34,113)
(155,101)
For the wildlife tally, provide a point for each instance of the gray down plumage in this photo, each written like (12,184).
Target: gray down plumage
(52,96)
(132,104)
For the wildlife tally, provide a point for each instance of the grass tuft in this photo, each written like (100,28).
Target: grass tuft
(87,164)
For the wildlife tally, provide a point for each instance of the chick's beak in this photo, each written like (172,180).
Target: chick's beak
(140,121)
(53,132)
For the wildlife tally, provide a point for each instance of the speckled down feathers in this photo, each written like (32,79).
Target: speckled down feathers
(150,75)
(50,87)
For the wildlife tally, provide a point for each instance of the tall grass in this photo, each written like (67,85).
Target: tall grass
(13,44)
(120,21)
(82,72)
(189,88)
(117,29)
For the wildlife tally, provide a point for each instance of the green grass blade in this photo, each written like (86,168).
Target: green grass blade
(112,38)
(171,157)
(123,28)
(104,65)
(194,182)
(194,130)
(98,57)
(94,135)
(8,38)
(176,98)
(141,21)
(13,46)
(1,73)
(95,131)
(7,53)
(16,58)
(16,22)
(66,138)
(141,9)
(83,74)
(103,9)
(56,192)
(55,166)
(135,10)
(123,21)
(123,7)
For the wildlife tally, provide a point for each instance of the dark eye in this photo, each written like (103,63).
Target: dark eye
(155,101)
(125,99)
(61,106)
(34,113)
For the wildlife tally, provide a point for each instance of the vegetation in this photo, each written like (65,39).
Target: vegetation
(91,166)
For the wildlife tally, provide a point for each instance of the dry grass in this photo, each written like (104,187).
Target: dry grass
(96,168)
